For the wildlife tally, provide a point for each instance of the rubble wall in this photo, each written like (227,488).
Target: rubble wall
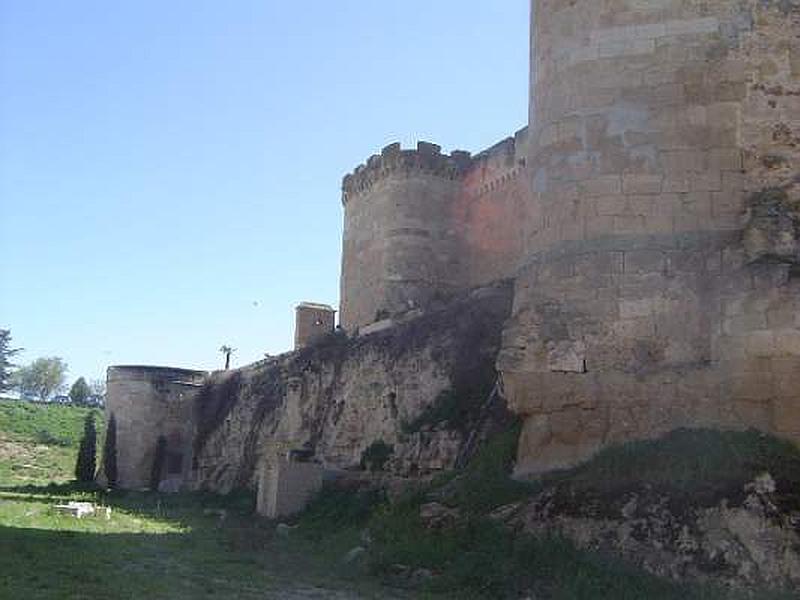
(339,397)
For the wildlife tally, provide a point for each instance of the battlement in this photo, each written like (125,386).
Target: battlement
(155,373)
(507,153)
(498,165)
(427,159)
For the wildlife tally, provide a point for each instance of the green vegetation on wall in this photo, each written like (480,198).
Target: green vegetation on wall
(376,455)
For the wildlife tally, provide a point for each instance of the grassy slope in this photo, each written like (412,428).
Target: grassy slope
(39,442)
(151,547)
(172,547)
(481,559)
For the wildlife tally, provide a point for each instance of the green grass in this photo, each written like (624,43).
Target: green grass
(49,424)
(39,442)
(178,547)
(699,466)
(478,558)
(153,546)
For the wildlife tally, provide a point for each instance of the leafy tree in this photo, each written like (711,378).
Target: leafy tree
(110,453)
(79,392)
(6,366)
(159,459)
(98,387)
(42,377)
(86,464)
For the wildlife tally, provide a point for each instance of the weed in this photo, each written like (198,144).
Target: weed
(376,455)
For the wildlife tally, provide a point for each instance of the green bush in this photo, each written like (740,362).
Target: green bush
(485,483)
(86,463)
(335,509)
(376,455)
(698,465)
(454,411)
(476,557)
(110,453)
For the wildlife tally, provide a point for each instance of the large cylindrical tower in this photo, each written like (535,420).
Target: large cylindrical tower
(637,112)
(401,242)
(664,171)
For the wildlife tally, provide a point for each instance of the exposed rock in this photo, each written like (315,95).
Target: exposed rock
(343,395)
(283,530)
(773,228)
(354,555)
(421,576)
(437,516)
(170,486)
(746,545)
(505,513)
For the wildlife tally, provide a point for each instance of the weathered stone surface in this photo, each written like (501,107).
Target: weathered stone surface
(337,399)
(421,226)
(751,543)
(648,217)
(664,252)
(149,402)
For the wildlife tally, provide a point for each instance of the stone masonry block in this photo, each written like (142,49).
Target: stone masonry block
(759,343)
(642,184)
(787,342)
(644,261)
(678,162)
(786,415)
(724,159)
(710,181)
(608,185)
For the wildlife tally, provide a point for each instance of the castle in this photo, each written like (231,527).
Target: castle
(648,219)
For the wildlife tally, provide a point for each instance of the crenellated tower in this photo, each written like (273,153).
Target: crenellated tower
(403,246)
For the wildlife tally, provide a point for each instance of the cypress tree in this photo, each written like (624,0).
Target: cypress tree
(87,453)
(110,453)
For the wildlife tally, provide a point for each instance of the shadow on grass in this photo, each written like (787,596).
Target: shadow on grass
(44,564)
(240,504)
(181,546)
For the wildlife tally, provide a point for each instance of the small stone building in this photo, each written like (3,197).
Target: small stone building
(287,486)
(312,322)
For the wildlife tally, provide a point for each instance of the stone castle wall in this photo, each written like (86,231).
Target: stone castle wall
(421,226)
(491,210)
(338,398)
(649,218)
(654,294)
(149,402)
(401,249)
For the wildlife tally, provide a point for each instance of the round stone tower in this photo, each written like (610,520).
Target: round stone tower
(148,403)
(637,110)
(401,242)
(663,133)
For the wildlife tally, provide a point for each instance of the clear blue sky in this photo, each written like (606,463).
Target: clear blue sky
(170,170)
